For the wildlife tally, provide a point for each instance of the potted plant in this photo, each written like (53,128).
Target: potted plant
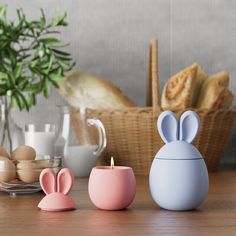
(31,60)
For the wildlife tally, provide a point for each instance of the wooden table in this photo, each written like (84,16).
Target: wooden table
(217,216)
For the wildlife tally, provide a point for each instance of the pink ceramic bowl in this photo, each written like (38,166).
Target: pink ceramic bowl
(112,189)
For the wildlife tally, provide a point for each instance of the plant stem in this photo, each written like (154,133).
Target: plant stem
(3,119)
(6,127)
(3,135)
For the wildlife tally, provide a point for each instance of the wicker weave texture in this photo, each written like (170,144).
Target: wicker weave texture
(133,138)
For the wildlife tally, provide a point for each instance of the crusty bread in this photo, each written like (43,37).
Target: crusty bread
(182,89)
(215,93)
(83,90)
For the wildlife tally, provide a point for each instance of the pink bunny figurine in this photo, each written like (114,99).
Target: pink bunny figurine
(56,189)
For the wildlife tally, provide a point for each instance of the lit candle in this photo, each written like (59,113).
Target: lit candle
(112,163)
(112,187)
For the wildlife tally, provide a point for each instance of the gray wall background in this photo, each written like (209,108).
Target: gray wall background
(110,38)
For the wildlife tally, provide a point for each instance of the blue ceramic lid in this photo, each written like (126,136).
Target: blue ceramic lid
(178,150)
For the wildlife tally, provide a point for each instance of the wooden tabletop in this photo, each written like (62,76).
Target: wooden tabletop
(217,216)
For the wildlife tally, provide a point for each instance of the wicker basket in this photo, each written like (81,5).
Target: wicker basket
(132,135)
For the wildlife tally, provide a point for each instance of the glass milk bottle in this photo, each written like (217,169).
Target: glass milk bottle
(41,137)
(75,143)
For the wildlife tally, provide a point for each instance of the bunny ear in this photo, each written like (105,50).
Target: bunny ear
(65,180)
(167,125)
(48,181)
(189,126)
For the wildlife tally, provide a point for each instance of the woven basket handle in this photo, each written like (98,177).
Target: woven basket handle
(152,92)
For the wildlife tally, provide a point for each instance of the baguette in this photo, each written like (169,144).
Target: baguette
(82,90)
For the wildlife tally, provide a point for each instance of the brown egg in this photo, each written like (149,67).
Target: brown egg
(29,176)
(23,153)
(3,152)
(7,170)
(7,176)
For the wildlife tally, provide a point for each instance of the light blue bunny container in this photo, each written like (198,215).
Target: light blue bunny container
(178,177)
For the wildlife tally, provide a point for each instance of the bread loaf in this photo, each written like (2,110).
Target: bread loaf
(83,90)
(182,90)
(215,93)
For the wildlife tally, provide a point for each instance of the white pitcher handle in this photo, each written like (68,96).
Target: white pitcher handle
(102,142)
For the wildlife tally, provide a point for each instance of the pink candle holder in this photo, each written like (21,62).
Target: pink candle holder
(112,188)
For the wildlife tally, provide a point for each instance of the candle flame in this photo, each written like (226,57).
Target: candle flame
(112,163)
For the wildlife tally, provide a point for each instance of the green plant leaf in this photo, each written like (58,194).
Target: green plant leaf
(32,100)
(54,83)
(62,58)
(50,41)
(46,89)
(64,65)
(33,63)
(3,44)
(3,12)
(19,14)
(23,82)
(18,70)
(23,101)
(50,64)
(12,55)
(3,75)
(59,52)
(11,80)
(34,88)
(17,101)
(13,101)
(42,21)
(23,57)
(60,20)
(56,77)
